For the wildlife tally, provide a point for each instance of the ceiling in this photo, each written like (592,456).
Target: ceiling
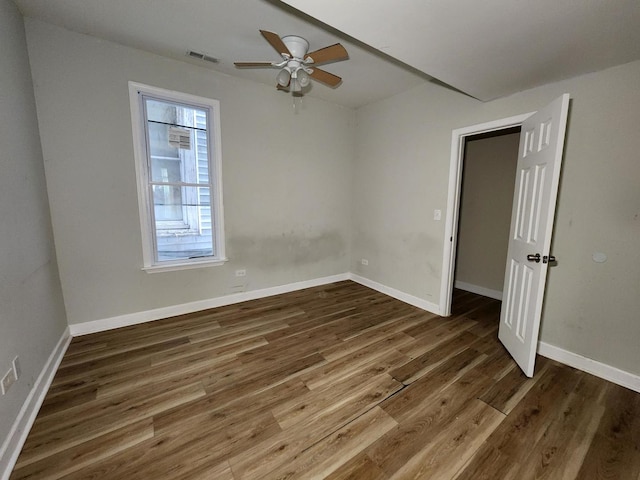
(492,48)
(229,31)
(485,49)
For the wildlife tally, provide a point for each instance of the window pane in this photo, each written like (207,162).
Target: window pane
(166,170)
(183,222)
(167,202)
(177,134)
(157,110)
(159,141)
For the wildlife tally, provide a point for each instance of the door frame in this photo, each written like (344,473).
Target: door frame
(458,137)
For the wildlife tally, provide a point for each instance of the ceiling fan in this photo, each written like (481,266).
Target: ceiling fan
(297,66)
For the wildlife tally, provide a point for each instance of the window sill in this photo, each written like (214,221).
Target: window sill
(172,267)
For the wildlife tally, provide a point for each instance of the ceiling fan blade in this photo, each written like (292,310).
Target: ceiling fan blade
(276,42)
(328,54)
(253,64)
(325,77)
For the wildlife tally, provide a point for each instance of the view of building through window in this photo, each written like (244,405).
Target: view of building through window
(179,179)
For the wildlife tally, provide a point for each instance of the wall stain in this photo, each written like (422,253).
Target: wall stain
(288,248)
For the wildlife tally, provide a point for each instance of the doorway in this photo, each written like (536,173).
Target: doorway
(458,140)
(486,196)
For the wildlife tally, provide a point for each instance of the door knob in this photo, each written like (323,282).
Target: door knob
(534,258)
(548,259)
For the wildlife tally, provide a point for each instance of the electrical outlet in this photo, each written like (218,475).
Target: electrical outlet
(16,367)
(241,273)
(364,261)
(8,380)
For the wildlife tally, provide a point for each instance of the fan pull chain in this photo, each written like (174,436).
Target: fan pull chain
(297,102)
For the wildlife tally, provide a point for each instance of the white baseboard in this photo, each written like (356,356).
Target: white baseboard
(392,292)
(102,325)
(485,292)
(18,434)
(602,370)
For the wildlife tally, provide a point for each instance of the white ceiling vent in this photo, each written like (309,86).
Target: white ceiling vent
(201,56)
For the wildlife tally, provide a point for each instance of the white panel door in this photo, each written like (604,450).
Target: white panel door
(537,177)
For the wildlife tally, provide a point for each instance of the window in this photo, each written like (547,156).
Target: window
(177,152)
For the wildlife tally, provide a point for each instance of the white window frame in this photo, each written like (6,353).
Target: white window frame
(145,202)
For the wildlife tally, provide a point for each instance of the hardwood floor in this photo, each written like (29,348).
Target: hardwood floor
(335,382)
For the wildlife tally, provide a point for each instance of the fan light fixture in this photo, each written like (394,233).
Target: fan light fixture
(298,67)
(293,75)
(284,77)
(303,77)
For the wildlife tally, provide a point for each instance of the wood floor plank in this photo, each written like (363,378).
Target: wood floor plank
(216,350)
(377,355)
(218,471)
(507,392)
(609,459)
(421,365)
(359,467)
(350,346)
(488,463)
(79,424)
(279,450)
(97,377)
(421,392)
(317,402)
(106,361)
(466,304)
(87,453)
(240,332)
(180,372)
(537,409)
(327,455)
(498,362)
(218,409)
(510,444)
(562,449)
(298,345)
(443,455)
(248,379)
(421,422)
(437,329)
(336,381)
(202,445)
(138,340)
(615,449)
(67,399)
(80,345)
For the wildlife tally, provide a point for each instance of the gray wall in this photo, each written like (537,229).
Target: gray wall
(402,163)
(488,181)
(32,317)
(286,177)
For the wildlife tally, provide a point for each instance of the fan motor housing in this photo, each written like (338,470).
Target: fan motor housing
(298,46)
